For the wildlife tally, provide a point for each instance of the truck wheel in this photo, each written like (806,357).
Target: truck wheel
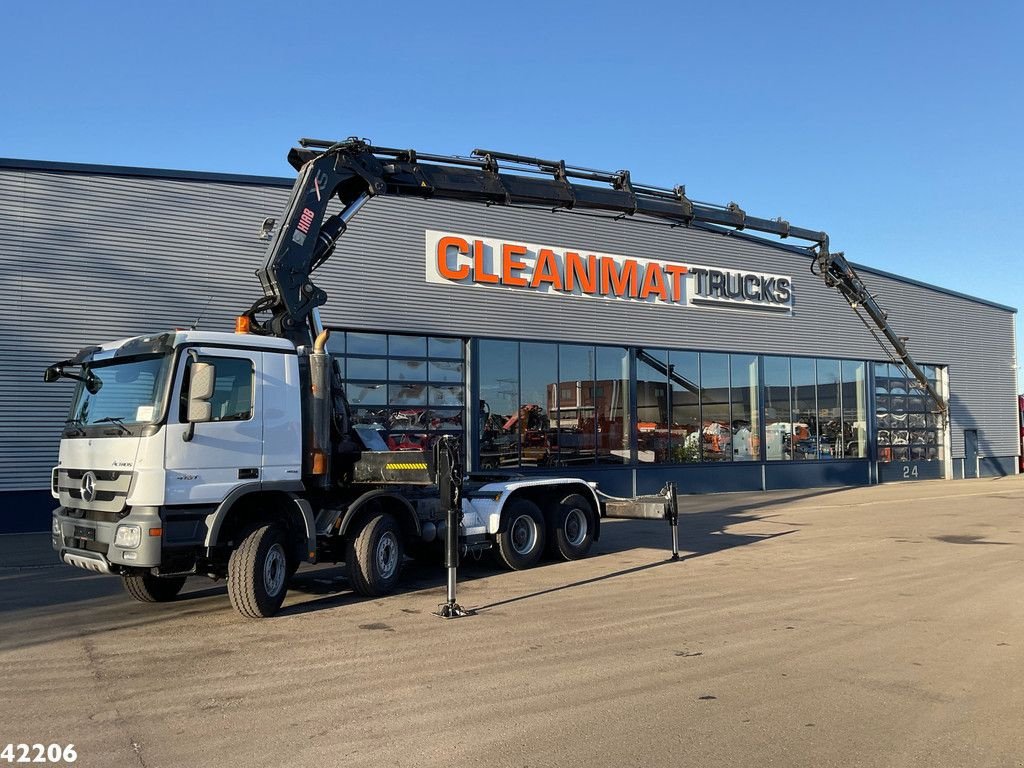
(258,573)
(522,542)
(374,556)
(147,588)
(573,527)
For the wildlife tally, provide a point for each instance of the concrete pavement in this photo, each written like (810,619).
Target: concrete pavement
(877,626)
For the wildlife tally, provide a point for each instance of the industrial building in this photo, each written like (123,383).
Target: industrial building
(618,350)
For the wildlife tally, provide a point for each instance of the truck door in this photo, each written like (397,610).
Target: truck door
(226,451)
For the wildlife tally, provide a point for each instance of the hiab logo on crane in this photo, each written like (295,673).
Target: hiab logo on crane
(491,263)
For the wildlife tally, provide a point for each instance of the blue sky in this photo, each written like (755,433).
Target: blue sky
(896,127)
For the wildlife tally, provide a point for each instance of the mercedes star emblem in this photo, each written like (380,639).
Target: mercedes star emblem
(88,486)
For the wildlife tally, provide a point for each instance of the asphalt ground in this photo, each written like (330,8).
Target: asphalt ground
(879,626)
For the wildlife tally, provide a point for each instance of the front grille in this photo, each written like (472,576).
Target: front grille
(97,515)
(110,489)
(106,475)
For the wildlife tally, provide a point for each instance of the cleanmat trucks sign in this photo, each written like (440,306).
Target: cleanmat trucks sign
(490,263)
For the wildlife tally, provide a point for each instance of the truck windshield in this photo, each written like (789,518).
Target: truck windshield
(130,391)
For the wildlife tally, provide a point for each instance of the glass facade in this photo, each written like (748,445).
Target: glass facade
(814,409)
(570,404)
(553,404)
(907,421)
(410,389)
(564,405)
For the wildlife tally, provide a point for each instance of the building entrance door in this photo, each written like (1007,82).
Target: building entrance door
(970,453)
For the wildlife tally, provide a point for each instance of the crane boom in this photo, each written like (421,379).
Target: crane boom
(354,170)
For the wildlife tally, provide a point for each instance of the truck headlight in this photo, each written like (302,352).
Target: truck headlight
(55,526)
(128,536)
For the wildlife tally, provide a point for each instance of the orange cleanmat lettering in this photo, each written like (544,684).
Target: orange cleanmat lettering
(577,272)
(480,273)
(654,282)
(677,273)
(546,270)
(616,283)
(509,264)
(443,245)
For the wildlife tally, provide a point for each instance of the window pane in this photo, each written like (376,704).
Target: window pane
(446,394)
(499,403)
(830,415)
(805,409)
(232,390)
(450,348)
(715,415)
(407,419)
(407,346)
(366,343)
(407,441)
(407,394)
(746,429)
(611,404)
(576,397)
(855,429)
(684,384)
(447,370)
(777,409)
(443,419)
(375,369)
(336,343)
(377,418)
(366,394)
(652,406)
(407,370)
(538,367)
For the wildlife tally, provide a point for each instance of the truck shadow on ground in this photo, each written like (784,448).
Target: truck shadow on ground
(50,604)
(701,534)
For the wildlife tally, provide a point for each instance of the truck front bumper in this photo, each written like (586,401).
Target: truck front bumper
(94,544)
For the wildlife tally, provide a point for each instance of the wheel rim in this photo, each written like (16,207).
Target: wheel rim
(275,567)
(387,555)
(523,535)
(576,527)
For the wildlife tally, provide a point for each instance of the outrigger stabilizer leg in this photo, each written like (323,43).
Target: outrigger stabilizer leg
(672,515)
(449,481)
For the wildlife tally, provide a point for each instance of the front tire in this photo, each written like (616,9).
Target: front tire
(258,573)
(374,556)
(522,542)
(574,527)
(147,588)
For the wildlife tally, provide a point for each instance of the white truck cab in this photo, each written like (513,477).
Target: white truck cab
(188,452)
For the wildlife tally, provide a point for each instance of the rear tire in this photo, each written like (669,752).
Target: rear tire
(374,556)
(258,573)
(574,527)
(522,542)
(147,588)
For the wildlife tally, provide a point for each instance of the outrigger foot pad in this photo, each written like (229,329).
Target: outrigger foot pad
(452,611)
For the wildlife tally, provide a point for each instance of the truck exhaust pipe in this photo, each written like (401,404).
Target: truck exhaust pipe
(320,410)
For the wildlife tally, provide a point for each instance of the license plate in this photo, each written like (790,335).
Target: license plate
(82,532)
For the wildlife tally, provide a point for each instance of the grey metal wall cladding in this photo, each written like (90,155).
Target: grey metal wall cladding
(89,257)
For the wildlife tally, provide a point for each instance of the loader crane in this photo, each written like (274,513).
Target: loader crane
(235,456)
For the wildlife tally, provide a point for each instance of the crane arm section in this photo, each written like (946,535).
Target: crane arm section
(352,171)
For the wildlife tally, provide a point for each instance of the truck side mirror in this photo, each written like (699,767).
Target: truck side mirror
(52,373)
(201,382)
